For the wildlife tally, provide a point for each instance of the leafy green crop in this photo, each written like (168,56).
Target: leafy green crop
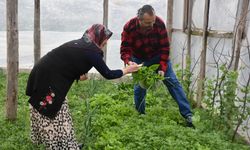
(146,77)
(105,120)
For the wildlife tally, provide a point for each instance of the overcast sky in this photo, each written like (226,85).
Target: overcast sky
(77,15)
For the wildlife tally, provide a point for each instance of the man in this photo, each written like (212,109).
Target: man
(145,40)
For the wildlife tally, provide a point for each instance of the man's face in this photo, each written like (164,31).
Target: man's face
(147,21)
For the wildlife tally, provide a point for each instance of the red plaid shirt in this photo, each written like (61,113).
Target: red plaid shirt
(145,45)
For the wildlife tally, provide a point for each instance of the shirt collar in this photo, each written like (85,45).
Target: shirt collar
(137,24)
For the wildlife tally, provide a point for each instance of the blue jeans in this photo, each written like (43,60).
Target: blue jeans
(171,82)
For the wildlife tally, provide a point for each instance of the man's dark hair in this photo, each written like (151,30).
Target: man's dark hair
(145,9)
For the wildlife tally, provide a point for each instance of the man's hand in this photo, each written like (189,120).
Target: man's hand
(161,73)
(83,77)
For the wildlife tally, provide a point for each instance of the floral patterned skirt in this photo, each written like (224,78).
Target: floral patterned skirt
(55,134)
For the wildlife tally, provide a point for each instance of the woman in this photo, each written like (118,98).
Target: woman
(51,79)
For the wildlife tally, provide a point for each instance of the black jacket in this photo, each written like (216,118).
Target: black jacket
(58,69)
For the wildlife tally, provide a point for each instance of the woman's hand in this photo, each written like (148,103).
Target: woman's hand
(83,77)
(131,68)
(131,63)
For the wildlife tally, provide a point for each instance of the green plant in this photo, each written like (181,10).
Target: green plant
(225,107)
(88,123)
(146,77)
(185,77)
(116,124)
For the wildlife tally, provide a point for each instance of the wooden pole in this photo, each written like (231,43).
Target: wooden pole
(12,58)
(239,30)
(185,14)
(37,32)
(105,22)
(189,33)
(200,90)
(170,18)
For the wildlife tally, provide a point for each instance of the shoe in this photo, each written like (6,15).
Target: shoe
(190,125)
(80,146)
(189,122)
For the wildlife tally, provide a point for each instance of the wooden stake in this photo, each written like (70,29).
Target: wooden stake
(37,32)
(200,90)
(105,22)
(12,58)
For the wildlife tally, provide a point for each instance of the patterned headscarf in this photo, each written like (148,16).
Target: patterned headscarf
(97,33)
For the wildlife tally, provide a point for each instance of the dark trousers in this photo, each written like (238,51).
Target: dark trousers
(171,82)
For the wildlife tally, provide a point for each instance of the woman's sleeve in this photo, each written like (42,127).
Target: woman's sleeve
(96,60)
